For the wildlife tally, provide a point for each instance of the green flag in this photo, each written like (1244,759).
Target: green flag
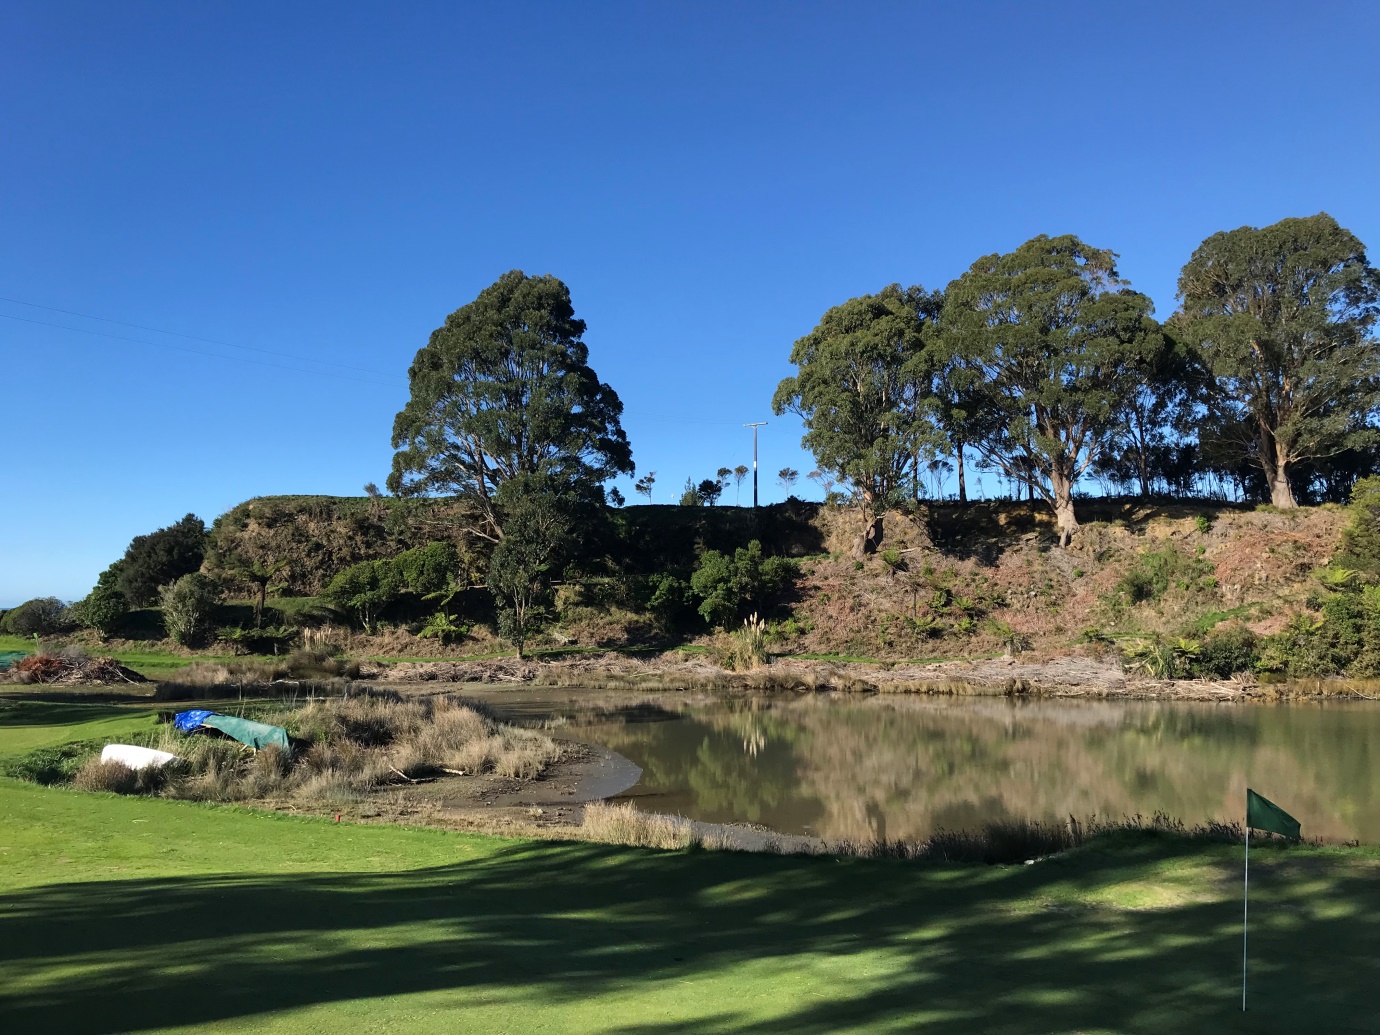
(1263,814)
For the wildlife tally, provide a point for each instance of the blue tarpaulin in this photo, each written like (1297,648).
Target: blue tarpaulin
(246,731)
(188,721)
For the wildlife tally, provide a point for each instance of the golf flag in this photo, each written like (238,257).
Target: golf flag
(1263,814)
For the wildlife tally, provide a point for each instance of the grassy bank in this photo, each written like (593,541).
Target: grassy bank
(150,915)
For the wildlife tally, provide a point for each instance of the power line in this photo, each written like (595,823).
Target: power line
(266,352)
(200,352)
(179,334)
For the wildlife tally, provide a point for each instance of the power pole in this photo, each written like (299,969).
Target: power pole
(754,428)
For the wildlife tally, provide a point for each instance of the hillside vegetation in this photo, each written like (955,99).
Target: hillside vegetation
(1186,588)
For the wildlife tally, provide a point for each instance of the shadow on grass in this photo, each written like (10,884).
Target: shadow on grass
(963,949)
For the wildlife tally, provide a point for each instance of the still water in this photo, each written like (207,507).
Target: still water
(845,766)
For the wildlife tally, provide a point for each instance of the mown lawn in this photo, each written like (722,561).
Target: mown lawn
(26,726)
(123,915)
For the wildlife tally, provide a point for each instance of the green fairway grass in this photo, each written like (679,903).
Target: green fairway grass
(25,725)
(123,915)
(143,915)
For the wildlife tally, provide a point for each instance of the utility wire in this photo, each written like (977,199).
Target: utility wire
(193,337)
(266,352)
(200,352)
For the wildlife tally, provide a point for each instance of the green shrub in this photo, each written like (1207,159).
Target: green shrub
(1203,523)
(365,589)
(1159,658)
(1226,652)
(730,587)
(671,601)
(428,570)
(1156,570)
(1360,545)
(51,765)
(443,628)
(42,616)
(271,639)
(188,605)
(104,607)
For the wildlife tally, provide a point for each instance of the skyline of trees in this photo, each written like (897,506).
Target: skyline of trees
(1048,368)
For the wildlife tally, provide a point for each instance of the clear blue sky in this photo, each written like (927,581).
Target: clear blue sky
(330,180)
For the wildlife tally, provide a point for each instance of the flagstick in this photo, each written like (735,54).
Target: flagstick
(1245,910)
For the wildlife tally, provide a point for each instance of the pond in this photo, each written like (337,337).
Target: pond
(851,766)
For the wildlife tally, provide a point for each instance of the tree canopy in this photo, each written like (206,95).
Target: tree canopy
(1045,344)
(504,389)
(161,558)
(1282,317)
(862,388)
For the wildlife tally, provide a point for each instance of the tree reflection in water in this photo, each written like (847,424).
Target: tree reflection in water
(859,767)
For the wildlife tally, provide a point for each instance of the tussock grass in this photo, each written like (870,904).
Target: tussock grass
(347,747)
(624,825)
(118,778)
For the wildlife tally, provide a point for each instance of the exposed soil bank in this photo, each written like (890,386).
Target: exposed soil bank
(1069,675)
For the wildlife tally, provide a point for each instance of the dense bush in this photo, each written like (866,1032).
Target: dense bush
(365,589)
(188,605)
(1360,546)
(1226,652)
(671,601)
(160,558)
(731,587)
(105,606)
(42,616)
(428,570)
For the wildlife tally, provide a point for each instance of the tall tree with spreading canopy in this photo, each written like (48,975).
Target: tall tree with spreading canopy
(863,391)
(1282,317)
(503,390)
(161,558)
(1045,344)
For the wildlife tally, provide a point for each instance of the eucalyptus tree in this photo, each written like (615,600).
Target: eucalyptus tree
(504,390)
(1159,418)
(1044,344)
(863,390)
(1283,317)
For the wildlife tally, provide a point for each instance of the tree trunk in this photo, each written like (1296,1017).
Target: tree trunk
(1144,473)
(1281,492)
(1064,517)
(962,485)
(868,539)
(1276,474)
